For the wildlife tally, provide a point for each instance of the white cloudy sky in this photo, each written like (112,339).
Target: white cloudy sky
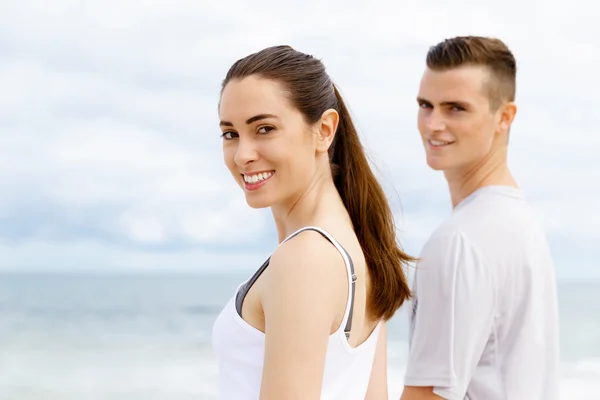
(110,156)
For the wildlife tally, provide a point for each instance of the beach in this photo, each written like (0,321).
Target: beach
(141,336)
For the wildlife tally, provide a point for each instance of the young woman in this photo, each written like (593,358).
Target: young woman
(309,324)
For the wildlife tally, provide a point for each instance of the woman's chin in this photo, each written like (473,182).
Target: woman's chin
(257,202)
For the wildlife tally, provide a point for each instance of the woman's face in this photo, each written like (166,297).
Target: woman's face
(267,145)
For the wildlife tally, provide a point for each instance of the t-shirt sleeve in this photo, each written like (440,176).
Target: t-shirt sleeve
(453,315)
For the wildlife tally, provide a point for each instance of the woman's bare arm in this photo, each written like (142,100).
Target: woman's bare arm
(378,384)
(306,290)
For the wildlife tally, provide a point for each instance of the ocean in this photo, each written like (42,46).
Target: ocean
(69,336)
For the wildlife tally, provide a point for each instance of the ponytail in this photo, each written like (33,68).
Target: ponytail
(371,216)
(309,88)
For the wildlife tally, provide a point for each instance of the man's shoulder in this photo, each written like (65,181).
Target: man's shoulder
(458,237)
(491,230)
(493,206)
(451,229)
(489,218)
(446,243)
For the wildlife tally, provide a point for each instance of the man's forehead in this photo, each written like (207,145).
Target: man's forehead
(457,84)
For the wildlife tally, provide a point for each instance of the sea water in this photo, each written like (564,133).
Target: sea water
(147,336)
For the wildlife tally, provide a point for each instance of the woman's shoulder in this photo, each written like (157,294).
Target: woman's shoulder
(310,250)
(307,263)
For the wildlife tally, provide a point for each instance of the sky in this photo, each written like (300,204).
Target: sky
(110,150)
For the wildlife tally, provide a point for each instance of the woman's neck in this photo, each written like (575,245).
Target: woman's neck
(320,199)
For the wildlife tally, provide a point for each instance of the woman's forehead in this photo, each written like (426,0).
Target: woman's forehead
(243,99)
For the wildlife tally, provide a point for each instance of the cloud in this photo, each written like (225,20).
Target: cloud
(110,153)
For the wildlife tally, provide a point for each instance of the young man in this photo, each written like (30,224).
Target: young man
(484,321)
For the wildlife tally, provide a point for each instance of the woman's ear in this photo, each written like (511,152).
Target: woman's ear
(326,130)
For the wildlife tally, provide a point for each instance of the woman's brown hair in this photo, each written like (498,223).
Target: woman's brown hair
(312,92)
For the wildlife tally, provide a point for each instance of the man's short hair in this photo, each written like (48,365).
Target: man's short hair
(491,53)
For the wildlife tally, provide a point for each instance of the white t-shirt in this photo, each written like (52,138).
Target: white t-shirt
(484,320)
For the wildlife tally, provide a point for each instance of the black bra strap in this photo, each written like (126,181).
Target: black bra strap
(243,291)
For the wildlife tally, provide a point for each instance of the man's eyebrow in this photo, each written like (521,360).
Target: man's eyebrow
(461,104)
(453,103)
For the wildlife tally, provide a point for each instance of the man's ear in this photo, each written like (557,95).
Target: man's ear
(507,115)
(326,129)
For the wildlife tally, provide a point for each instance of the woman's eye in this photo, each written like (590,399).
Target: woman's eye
(265,129)
(228,135)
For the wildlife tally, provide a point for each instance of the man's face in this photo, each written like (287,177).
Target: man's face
(457,126)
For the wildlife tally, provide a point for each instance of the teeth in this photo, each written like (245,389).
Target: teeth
(438,143)
(257,177)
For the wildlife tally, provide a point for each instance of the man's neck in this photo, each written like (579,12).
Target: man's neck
(490,171)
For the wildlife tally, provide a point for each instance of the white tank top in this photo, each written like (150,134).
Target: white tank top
(239,349)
